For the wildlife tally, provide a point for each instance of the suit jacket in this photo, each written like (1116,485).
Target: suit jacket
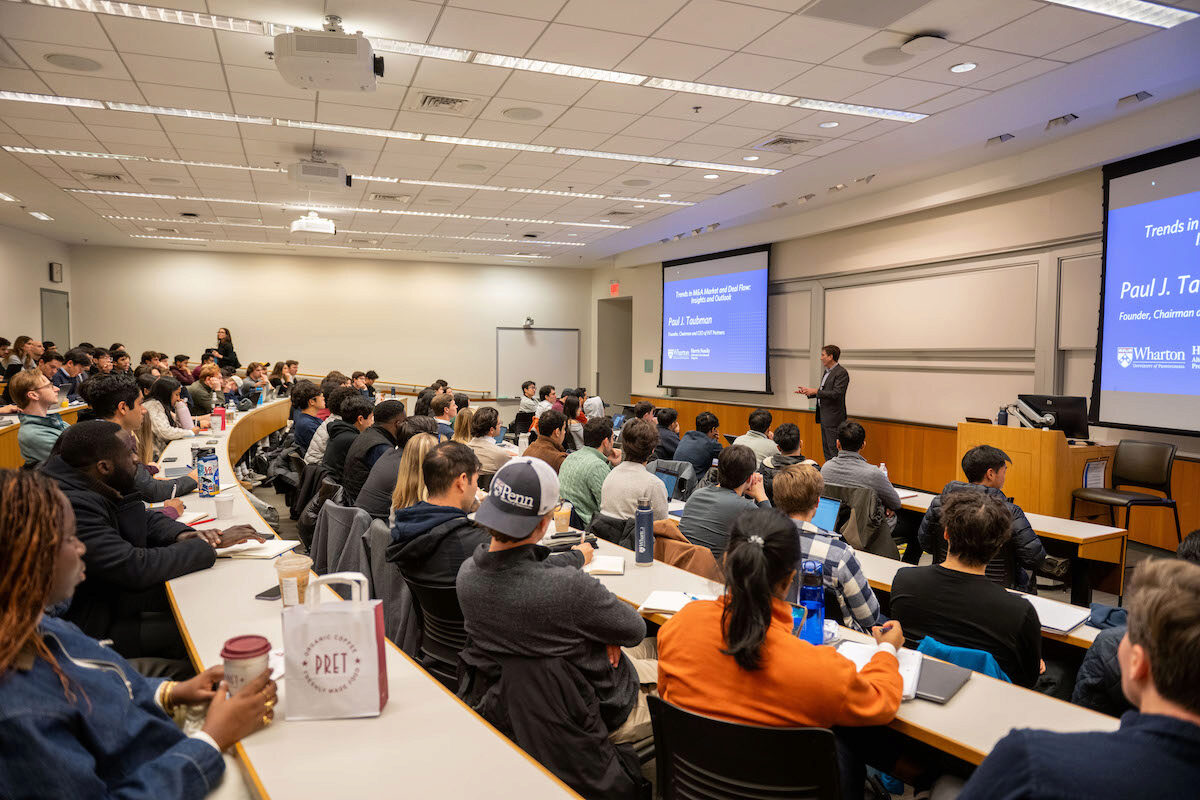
(831,410)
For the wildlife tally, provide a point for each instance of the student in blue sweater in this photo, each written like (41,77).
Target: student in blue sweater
(307,400)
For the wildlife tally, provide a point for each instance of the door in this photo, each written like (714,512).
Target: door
(614,349)
(56,319)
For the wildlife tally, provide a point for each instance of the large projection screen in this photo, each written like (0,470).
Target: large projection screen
(714,321)
(1148,348)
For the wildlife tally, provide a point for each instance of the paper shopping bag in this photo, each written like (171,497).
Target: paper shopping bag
(334,653)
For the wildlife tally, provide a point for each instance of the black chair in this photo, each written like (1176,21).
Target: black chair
(521,422)
(704,758)
(484,481)
(442,631)
(1144,464)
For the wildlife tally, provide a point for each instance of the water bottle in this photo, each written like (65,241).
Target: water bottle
(1002,417)
(262,394)
(522,443)
(812,599)
(883,468)
(643,529)
(230,412)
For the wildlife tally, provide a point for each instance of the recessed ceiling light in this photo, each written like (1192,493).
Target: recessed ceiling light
(965,66)
(636,182)
(640,205)
(72,62)
(749,158)
(41,216)
(521,113)
(664,195)
(711,177)
(830,124)
(1132,10)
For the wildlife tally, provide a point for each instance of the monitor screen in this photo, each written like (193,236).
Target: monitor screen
(1070,413)
(827,511)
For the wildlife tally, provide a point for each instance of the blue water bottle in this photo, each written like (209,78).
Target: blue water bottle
(812,600)
(1002,417)
(643,530)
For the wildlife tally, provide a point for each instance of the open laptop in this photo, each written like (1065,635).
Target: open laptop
(669,479)
(729,438)
(827,513)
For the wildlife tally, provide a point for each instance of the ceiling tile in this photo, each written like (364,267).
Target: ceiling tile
(302,13)
(812,125)
(639,17)
(728,136)
(698,152)
(636,145)
(898,93)
(990,62)
(591,48)
(615,97)
(964,20)
(588,120)
(179,97)
(876,128)
(830,83)
(808,39)
(498,105)
(949,100)
(502,131)
(427,123)
(21,80)
(245,50)
(251,80)
(544,88)
(47,127)
(1048,29)
(397,19)
(715,23)
(34,54)
(157,39)
(493,33)
(748,71)
(869,13)
(1112,37)
(663,128)
(125,136)
(1018,74)
(698,107)
(672,60)
(361,116)
(533,9)
(185,141)
(97,88)
(564,137)
(767,117)
(42,24)
(455,76)
(96,116)
(176,72)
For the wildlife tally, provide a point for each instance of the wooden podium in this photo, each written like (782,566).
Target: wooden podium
(1045,469)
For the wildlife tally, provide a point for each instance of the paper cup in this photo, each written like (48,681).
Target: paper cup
(293,570)
(224,504)
(246,657)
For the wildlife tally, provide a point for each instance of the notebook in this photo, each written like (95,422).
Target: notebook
(268,549)
(662,601)
(910,663)
(1055,616)
(605,565)
(940,680)
(905,494)
(827,511)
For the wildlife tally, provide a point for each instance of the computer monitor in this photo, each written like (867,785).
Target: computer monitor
(1070,413)
(827,513)
(669,480)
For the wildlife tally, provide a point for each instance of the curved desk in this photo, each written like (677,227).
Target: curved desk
(426,741)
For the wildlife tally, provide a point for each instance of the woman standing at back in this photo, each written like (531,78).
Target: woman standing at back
(226,355)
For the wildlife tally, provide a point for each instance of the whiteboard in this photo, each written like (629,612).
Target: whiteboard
(543,355)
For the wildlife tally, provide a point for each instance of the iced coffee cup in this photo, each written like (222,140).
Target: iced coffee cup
(246,658)
(293,571)
(562,517)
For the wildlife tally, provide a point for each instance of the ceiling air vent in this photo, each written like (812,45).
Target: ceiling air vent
(454,105)
(618,214)
(162,230)
(788,144)
(101,177)
(382,197)
(360,242)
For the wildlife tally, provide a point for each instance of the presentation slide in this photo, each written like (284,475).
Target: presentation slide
(714,321)
(1148,363)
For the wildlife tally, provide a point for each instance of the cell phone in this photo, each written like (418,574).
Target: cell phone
(273,593)
(170,459)
(211,441)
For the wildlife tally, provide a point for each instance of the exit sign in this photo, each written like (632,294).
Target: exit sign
(614,289)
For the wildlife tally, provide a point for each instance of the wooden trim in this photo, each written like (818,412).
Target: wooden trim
(484,394)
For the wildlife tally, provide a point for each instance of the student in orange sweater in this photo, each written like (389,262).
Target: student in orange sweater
(736,658)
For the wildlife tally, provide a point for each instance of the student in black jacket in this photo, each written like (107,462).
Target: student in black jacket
(226,355)
(369,446)
(357,414)
(668,433)
(131,552)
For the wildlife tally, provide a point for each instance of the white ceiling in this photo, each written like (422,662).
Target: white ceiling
(828,49)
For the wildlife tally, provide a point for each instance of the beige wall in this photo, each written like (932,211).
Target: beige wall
(24,270)
(408,321)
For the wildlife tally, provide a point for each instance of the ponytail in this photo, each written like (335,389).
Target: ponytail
(763,549)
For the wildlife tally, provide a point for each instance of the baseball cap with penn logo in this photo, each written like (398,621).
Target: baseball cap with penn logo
(522,492)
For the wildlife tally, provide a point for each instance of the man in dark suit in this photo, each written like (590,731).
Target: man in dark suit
(831,398)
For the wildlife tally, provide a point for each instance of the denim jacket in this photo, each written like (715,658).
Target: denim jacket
(113,741)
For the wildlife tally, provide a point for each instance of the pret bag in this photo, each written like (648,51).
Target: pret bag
(334,653)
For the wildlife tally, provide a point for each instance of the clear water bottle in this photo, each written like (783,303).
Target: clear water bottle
(812,600)
(522,443)
(643,531)
(230,412)
(883,468)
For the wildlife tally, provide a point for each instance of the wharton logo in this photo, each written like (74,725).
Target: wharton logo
(1124,356)
(1147,358)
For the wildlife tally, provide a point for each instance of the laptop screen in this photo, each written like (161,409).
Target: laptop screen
(827,512)
(669,480)
(618,421)
(500,434)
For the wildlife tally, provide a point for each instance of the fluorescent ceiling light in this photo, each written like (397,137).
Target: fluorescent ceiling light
(194,221)
(554,193)
(721,91)
(112,193)
(407,213)
(7,198)
(651,200)
(552,68)
(170,15)
(1133,10)
(533,148)
(39,151)
(419,49)
(517,219)
(464,238)
(169,238)
(570,151)
(213,164)
(50,99)
(476,186)
(189,112)
(859,111)
(374,178)
(593,225)
(41,216)
(749,158)
(726,167)
(325,126)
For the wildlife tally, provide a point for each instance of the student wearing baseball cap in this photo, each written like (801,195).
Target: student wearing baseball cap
(519,599)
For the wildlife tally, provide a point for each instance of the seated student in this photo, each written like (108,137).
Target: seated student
(409,486)
(581,476)
(701,446)
(147,369)
(629,481)
(528,405)
(355,415)
(432,538)
(797,492)
(145,382)
(575,421)
(593,405)
(443,409)
(116,398)
(1156,751)
(131,551)
(371,377)
(280,381)
(375,496)
(484,427)
(425,397)
(49,363)
(320,438)
(254,382)
(552,430)
(121,362)
(334,380)
(519,600)
(736,658)
(358,380)
(1098,684)
(644,409)
(40,429)
(986,468)
(76,719)
(461,400)
(160,406)
(758,438)
(72,372)
(787,439)
(369,446)
(848,468)
(149,359)
(180,372)
(547,397)
(956,604)
(102,362)
(710,510)
(462,426)
(209,356)
(668,433)
(205,390)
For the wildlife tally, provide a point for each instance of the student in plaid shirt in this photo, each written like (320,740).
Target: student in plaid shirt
(797,491)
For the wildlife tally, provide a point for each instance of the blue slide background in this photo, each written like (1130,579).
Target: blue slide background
(1131,256)
(743,318)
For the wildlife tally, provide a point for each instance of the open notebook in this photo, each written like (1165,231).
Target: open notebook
(910,663)
(268,549)
(605,565)
(1055,616)
(661,601)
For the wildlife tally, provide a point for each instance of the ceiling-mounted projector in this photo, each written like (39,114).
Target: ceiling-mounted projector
(328,60)
(318,175)
(313,223)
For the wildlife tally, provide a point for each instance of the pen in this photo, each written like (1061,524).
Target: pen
(202,521)
(174,489)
